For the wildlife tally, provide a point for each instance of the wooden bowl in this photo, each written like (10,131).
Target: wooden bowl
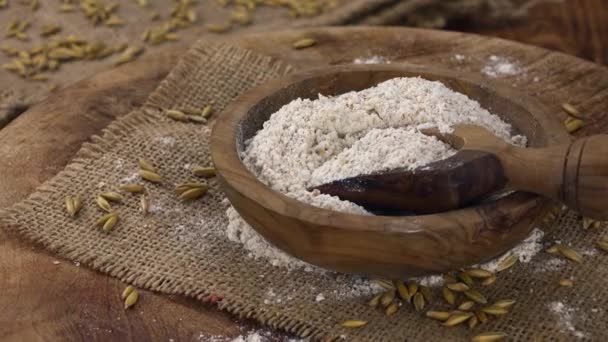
(388,246)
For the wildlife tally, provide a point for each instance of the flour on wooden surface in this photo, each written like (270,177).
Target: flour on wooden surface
(372,60)
(309,142)
(497,66)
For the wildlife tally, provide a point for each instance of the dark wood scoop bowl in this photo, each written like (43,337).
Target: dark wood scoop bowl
(388,246)
(575,174)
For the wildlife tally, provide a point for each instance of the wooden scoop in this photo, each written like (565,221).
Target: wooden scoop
(575,174)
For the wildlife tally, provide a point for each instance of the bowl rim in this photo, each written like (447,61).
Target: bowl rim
(224,151)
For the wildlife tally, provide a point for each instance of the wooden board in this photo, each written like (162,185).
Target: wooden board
(44,301)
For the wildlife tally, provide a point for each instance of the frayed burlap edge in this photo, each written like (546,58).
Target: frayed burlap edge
(109,136)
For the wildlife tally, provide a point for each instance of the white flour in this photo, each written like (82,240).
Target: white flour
(309,142)
(525,251)
(372,60)
(499,66)
(564,315)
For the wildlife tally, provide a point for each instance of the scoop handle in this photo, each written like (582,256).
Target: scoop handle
(575,174)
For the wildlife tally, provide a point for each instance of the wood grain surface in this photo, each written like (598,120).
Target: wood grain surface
(576,27)
(42,301)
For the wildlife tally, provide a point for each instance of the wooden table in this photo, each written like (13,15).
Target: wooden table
(43,300)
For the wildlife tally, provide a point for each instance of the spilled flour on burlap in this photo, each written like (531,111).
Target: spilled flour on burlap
(311,142)
(524,252)
(564,315)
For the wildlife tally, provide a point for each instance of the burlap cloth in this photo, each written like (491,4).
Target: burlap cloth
(181,248)
(17,94)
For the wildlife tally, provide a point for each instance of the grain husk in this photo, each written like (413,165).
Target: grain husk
(176,115)
(303,43)
(391,308)
(110,223)
(126,292)
(570,253)
(131,299)
(466,305)
(465,278)
(490,336)
(426,292)
(479,273)
(438,315)
(488,281)
(103,203)
(150,176)
(476,296)
(374,301)
(353,323)
(102,220)
(571,110)
(207,111)
(112,196)
(494,310)
(132,188)
(481,316)
(448,295)
(387,298)
(412,288)
(418,301)
(146,165)
(472,322)
(144,204)
(504,303)
(402,291)
(194,193)
(204,171)
(458,287)
(603,245)
(507,263)
(457,318)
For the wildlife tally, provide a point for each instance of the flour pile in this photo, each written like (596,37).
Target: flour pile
(311,142)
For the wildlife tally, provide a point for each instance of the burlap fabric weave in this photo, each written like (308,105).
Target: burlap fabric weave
(17,94)
(180,247)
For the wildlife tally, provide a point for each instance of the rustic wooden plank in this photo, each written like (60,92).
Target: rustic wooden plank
(43,301)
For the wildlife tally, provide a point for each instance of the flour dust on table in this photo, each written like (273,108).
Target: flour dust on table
(310,142)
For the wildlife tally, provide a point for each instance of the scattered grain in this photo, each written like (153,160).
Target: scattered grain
(488,281)
(507,263)
(438,315)
(204,171)
(353,323)
(391,308)
(476,296)
(150,176)
(490,336)
(146,165)
(303,43)
(126,292)
(448,295)
(457,318)
(458,287)
(570,253)
(112,196)
(466,305)
(418,301)
(103,203)
(131,299)
(132,188)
